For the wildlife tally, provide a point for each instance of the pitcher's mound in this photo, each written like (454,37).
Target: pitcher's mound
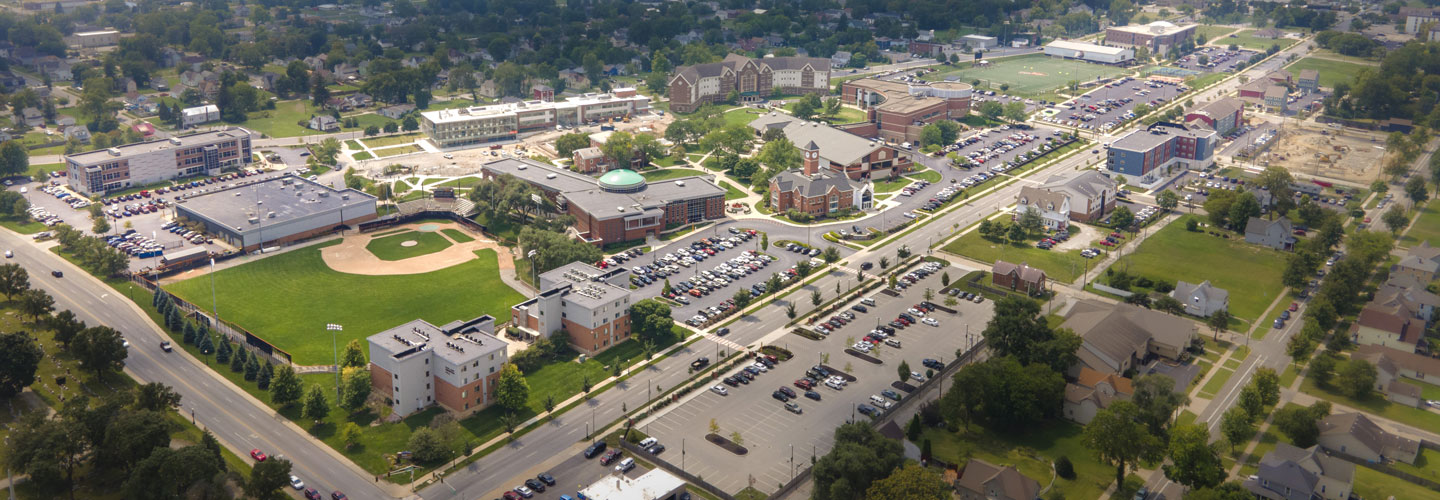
(409,243)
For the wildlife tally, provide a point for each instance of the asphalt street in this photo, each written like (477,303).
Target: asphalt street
(239,421)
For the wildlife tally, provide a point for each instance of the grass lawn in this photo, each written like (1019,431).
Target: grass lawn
(1216,383)
(461,182)
(1422,467)
(742,116)
(277,297)
(1202,81)
(732,192)
(927,175)
(1031,453)
(1370,483)
(1331,71)
(670,173)
(1426,228)
(22,226)
(353,144)
(1375,404)
(44,168)
(890,186)
(457,235)
(392,140)
(1060,265)
(393,247)
(368,119)
(283,121)
(397,150)
(1210,32)
(1250,273)
(363,155)
(1030,74)
(1267,442)
(846,114)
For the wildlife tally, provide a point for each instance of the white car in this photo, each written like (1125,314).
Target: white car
(296,483)
(915,312)
(761,367)
(449,156)
(720,389)
(917,376)
(930,321)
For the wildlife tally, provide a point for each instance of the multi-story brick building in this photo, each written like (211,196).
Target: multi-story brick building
(899,111)
(588,160)
(1223,116)
(840,150)
(620,205)
(590,305)
(120,167)
(1158,36)
(477,125)
(456,365)
(1150,156)
(753,79)
(816,191)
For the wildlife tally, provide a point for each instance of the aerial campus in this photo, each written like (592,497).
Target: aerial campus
(980,249)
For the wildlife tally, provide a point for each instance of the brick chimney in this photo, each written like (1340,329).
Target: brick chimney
(811,159)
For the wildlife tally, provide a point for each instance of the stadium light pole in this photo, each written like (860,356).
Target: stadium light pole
(334,349)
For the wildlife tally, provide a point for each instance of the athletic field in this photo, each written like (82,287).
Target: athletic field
(1031,74)
(288,299)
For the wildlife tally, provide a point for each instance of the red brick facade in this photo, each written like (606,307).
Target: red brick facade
(614,231)
(594,340)
(382,382)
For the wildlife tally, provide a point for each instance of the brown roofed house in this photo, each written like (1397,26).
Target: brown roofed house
(983,480)
(1386,326)
(1018,277)
(1093,391)
(1117,337)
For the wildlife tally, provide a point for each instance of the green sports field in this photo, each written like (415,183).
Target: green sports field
(393,247)
(287,299)
(1032,74)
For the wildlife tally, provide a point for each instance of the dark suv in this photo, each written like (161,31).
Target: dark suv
(594,449)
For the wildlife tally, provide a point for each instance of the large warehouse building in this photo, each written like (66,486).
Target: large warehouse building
(121,167)
(620,205)
(449,128)
(899,111)
(1089,52)
(276,211)
(1158,36)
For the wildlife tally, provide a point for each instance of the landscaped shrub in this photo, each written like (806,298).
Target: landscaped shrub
(1064,468)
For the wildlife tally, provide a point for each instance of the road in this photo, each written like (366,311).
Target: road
(239,421)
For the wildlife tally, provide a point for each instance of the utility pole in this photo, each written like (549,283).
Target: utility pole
(334,349)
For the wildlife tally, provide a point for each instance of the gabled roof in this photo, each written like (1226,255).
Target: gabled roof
(1087,383)
(733,62)
(1011,484)
(1045,199)
(1404,360)
(837,146)
(1386,319)
(1027,274)
(1086,184)
(1223,107)
(811,186)
(1309,74)
(1211,294)
(1368,434)
(1112,333)
(1260,227)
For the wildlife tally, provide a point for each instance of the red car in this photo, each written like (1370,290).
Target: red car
(258,455)
(803,384)
(610,456)
(510,495)
(312,494)
(336,495)
(1294,307)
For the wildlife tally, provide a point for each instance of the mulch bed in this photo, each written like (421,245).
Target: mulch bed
(863,356)
(726,443)
(903,386)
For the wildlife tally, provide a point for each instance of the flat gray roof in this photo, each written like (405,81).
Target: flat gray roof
(539,173)
(410,339)
(1144,140)
(604,204)
(586,285)
(287,197)
(186,141)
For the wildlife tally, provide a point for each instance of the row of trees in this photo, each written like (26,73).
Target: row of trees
(91,252)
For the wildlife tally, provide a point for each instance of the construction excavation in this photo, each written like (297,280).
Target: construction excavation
(1332,153)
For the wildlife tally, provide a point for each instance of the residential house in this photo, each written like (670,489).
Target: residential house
(589,160)
(190,117)
(345,73)
(397,111)
(1421,261)
(63,121)
(488,88)
(324,123)
(1223,115)
(1276,98)
(32,117)
(316,62)
(1409,293)
(1201,300)
(1087,196)
(542,92)
(575,77)
(983,480)
(1387,326)
(11,82)
(840,59)
(1393,364)
(1356,435)
(1309,80)
(359,100)
(1118,337)
(56,68)
(1023,278)
(816,191)
(1267,33)
(1277,234)
(78,133)
(1052,207)
(1291,473)
(1093,391)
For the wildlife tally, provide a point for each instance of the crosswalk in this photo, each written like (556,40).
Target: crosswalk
(723,341)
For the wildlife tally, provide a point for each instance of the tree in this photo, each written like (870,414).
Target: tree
(1017,234)
(319,92)
(252,368)
(815,298)
(1218,321)
(650,319)
(1322,369)
(992,109)
(1302,424)
(1015,111)
(1167,199)
(806,107)
(1118,438)
(1122,218)
(1415,189)
(911,482)
(940,133)
(353,356)
(316,408)
(1244,207)
(1030,220)
(350,434)
(14,158)
(156,397)
(1227,491)
(904,371)
(790,310)
(1268,383)
(100,225)
(36,304)
(859,457)
(511,389)
(354,388)
(1195,462)
(66,326)
(1237,426)
(19,361)
(831,255)
(14,280)
(409,124)
(267,478)
(428,446)
(742,298)
(1356,378)
(1157,400)
(1395,219)
(100,350)
(1252,401)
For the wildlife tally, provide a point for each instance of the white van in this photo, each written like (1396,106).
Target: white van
(648,442)
(878,400)
(868,301)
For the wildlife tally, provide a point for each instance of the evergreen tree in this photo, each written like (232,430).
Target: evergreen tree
(190,337)
(205,345)
(252,368)
(263,380)
(223,355)
(237,362)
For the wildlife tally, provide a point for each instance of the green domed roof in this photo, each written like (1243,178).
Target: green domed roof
(621,179)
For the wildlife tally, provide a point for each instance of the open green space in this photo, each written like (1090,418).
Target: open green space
(457,235)
(1059,265)
(890,186)
(1216,382)
(846,114)
(1202,81)
(391,140)
(394,247)
(1266,444)
(732,192)
(283,121)
(1032,74)
(1031,453)
(460,182)
(670,173)
(1370,483)
(397,150)
(367,119)
(353,144)
(1250,273)
(1375,404)
(1246,39)
(1331,71)
(1425,228)
(926,175)
(280,298)
(1209,32)
(361,156)
(742,116)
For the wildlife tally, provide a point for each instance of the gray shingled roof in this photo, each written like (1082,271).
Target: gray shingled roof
(837,146)
(1212,294)
(819,184)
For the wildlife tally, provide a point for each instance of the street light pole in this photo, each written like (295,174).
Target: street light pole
(335,350)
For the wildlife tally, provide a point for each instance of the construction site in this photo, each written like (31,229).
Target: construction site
(1341,154)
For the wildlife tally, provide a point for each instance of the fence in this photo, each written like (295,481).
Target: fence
(230,331)
(1110,289)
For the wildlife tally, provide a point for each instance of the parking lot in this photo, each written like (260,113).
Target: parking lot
(1246,137)
(1109,106)
(1194,187)
(772,432)
(1216,59)
(576,473)
(689,264)
(995,151)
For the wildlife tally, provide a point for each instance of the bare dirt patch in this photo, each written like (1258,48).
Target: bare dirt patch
(350,256)
(1341,154)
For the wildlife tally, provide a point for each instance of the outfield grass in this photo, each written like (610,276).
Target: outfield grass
(392,140)
(280,298)
(1426,228)
(1031,74)
(1032,453)
(397,150)
(1059,265)
(670,173)
(1250,273)
(457,235)
(1331,71)
(392,247)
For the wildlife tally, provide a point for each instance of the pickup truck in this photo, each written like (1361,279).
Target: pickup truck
(699,363)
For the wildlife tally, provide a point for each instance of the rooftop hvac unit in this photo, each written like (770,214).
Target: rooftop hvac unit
(680,183)
(620,209)
(114,151)
(549,176)
(324,194)
(254,220)
(344,196)
(175,141)
(521,167)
